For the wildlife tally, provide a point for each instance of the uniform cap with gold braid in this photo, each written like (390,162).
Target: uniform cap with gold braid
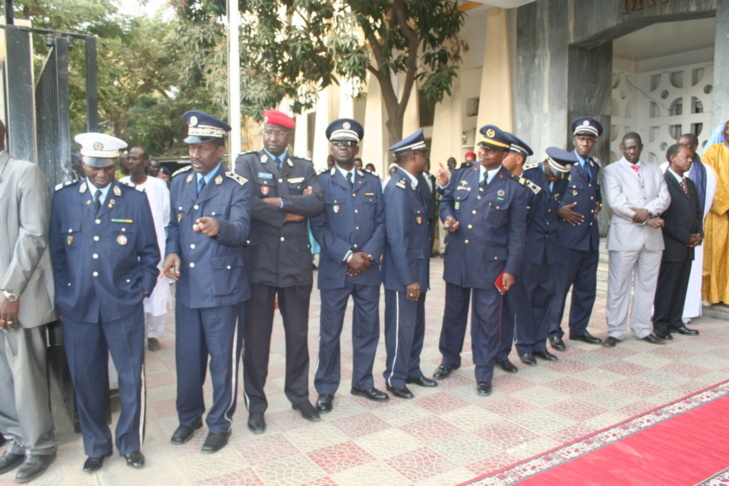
(519,146)
(345,129)
(202,127)
(561,161)
(99,150)
(278,119)
(586,125)
(494,138)
(411,143)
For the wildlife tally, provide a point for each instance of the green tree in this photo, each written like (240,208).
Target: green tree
(295,48)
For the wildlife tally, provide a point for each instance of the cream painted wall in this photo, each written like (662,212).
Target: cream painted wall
(496,86)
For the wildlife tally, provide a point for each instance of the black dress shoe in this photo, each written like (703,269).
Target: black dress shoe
(666,337)
(134,459)
(9,461)
(545,355)
(422,381)
(586,338)
(153,344)
(371,394)
(650,338)
(484,388)
(401,391)
(507,366)
(214,442)
(528,359)
(686,331)
(33,466)
(611,342)
(444,372)
(557,343)
(256,422)
(94,463)
(324,402)
(185,432)
(307,411)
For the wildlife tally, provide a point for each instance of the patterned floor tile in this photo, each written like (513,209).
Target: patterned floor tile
(358,425)
(388,443)
(420,464)
(471,417)
(505,435)
(243,477)
(431,429)
(370,474)
(464,449)
(625,368)
(540,394)
(326,435)
(544,421)
(576,409)
(637,388)
(608,398)
(570,385)
(339,457)
(492,463)
(269,447)
(290,471)
(507,406)
(441,402)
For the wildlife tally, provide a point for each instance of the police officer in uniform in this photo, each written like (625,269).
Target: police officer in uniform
(105,256)
(208,228)
(484,210)
(542,253)
(285,192)
(405,268)
(351,232)
(579,238)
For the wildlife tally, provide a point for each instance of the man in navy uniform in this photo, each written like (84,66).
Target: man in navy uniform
(484,209)
(579,238)
(515,315)
(208,228)
(285,192)
(351,232)
(105,256)
(405,268)
(541,254)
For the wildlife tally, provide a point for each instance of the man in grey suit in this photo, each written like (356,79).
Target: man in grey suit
(26,305)
(637,194)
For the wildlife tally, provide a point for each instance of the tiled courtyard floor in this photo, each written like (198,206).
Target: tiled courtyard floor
(444,436)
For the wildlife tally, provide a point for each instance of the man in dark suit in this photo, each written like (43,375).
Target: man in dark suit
(484,209)
(285,192)
(351,232)
(105,257)
(579,239)
(682,231)
(405,268)
(209,226)
(26,305)
(426,186)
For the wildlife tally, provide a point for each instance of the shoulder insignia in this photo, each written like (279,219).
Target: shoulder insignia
(530,165)
(289,161)
(82,188)
(264,158)
(535,188)
(180,171)
(64,184)
(360,173)
(239,179)
(402,184)
(518,179)
(322,171)
(596,161)
(218,179)
(247,152)
(128,183)
(117,191)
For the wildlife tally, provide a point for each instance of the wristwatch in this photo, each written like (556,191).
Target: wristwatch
(10,296)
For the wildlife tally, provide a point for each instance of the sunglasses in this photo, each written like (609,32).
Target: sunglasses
(344,143)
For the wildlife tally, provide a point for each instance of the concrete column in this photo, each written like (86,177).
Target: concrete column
(321,144)
(447,129)
(495,105)
(720,94)
(373,149)
(301,135)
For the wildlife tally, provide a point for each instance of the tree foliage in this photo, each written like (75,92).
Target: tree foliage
(292,49)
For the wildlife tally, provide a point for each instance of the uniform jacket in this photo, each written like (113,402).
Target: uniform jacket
(212,272)
(683,218)
(105,262)
(490,236)
(407,252)
(25,262)
(624,189)
(279,253)
(542,224)
(584,189)
(353,220)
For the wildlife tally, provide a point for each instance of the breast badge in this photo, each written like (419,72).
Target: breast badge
(335,208)
(69,239)
(122,240)
(264,190)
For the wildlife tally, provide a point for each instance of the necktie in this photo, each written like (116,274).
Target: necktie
(586,166)
(551,187)
(201,185)
(684,186)
(97,200)
(277,161)
(635,168)
(350,179)
(485,180)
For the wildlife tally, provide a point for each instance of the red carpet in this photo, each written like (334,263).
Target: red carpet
(683,443)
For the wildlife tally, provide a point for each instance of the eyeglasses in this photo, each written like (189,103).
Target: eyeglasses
(344,143)
(275,133)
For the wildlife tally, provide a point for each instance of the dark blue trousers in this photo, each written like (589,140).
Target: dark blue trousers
(455,320)
(404,333)
(515,319)
(88,346)
(540,290)
(212,332)
(365,335)
(485,330)
(578,269)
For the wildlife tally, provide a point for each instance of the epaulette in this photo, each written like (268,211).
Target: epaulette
(322,171)
(180,171)
(128,183)
(402,184)
(246,153)
(530,165)
(531,185)
(239,179)
(597,161)
(518,179)
(64,184)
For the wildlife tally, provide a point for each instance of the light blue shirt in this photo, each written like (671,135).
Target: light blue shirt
(208,177)
(281,157)
(104,191)
(345,172)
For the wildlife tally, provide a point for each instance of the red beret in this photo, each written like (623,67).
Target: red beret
(275,117)
(471,154)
